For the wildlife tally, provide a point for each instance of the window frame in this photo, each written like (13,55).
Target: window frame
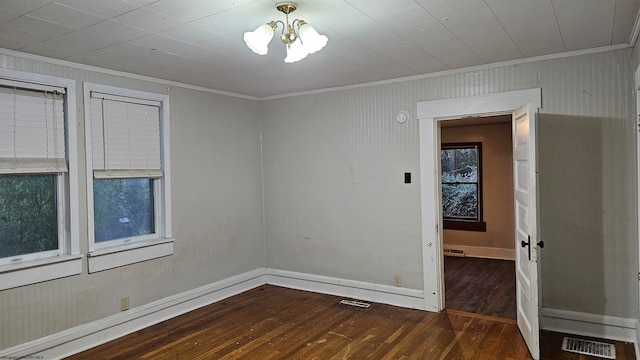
(65,261)
(119,252)
(451,223)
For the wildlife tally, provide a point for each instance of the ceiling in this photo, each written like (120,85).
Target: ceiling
(200,42)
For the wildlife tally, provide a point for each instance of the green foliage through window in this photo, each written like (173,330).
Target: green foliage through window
(28,214)
(122,208)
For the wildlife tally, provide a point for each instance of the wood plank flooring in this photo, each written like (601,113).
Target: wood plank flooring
(270,322)
(481,286)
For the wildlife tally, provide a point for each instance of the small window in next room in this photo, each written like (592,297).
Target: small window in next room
(461,165)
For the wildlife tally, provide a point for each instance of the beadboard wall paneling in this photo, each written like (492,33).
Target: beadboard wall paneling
(216,204)
(337,205)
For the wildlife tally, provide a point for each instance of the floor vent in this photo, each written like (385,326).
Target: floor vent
(355,303)
(454,252)
(588,347)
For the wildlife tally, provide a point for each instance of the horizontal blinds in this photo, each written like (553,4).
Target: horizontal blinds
(12,84)
(32,133)
(125,137)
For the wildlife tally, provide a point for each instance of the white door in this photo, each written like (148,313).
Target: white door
(525,186)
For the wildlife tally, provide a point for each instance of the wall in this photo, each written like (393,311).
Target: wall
(216,203)
(337,205)
(497,185)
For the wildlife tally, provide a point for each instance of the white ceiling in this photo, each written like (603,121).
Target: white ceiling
(199,42)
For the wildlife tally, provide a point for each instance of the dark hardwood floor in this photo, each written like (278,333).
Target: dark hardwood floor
(481,286)
(270,322)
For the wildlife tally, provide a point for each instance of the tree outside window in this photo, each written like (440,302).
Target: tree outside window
(461,165)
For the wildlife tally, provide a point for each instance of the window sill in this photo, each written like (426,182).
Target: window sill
(479,226)
(35,271)
(113,257)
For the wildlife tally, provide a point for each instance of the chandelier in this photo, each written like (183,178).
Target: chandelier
(299,44)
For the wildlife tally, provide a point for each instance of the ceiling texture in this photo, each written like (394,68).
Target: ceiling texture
(200,42)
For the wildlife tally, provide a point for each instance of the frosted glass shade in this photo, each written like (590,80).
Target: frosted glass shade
(258,40)
(296,52)
(311,39)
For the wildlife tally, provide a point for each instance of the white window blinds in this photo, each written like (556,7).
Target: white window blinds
(32,133)
(125,135)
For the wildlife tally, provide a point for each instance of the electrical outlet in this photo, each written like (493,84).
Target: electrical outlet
(124,303)
(397,280)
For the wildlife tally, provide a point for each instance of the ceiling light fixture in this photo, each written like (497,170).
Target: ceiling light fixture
(299,43)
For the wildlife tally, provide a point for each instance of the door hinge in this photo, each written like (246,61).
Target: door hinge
(639,276)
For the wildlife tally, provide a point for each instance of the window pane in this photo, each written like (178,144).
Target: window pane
(459,165)
(460,181)
(28,214)
(460,201)
(122,208)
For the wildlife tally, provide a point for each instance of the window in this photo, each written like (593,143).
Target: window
(461,165)
(128,192)
(38,237)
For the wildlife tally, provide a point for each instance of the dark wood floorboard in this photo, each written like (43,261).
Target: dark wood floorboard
(271,322)
(481,286)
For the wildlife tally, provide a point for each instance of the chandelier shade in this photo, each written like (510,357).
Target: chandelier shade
(296,52)
(306,40)
(258,40)
(310,38)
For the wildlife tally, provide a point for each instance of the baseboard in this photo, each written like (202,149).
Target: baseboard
(637,342)
(83,337)
(79,338)
(484,252)
(599,326)
(398,296)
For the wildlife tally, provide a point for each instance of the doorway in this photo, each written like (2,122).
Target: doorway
(523,105)
(476,166)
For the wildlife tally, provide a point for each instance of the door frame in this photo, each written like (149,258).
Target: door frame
(429,113)
(636,77)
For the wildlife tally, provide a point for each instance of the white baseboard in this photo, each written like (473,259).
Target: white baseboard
(83,337)
(598,326)
(484,252)
(637,342)
(79,338)
(361,290)
(86,336)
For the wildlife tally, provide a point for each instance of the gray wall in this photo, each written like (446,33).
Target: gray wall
(335,200)
(337,206)
(217,213)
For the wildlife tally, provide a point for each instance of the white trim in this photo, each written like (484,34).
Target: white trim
(69,262)
(598,326)
(428,114)
(110,258)
(162,205)
(454,71)
(317,91)
(636,78)
(637,340)
(385,294)
(83,337)
(80,338)
(31,272)
(127,75)
(484,252)
(634,37)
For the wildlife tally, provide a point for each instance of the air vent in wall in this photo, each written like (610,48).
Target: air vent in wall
(454,252)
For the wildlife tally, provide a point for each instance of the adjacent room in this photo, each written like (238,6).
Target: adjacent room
(329,179)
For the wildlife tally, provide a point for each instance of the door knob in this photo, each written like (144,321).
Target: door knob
(528,243)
